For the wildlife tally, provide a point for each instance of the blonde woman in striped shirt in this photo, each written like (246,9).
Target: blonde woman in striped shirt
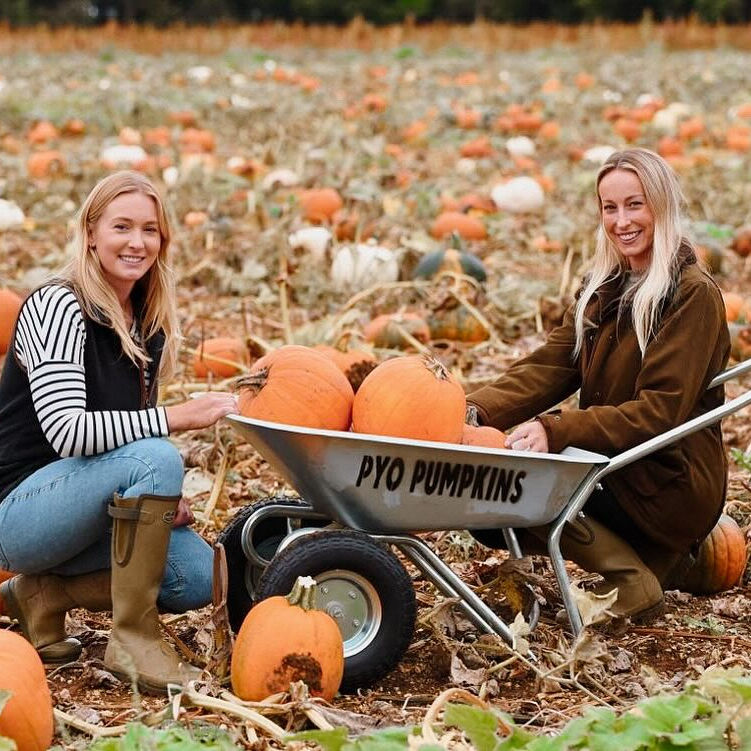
(89,481)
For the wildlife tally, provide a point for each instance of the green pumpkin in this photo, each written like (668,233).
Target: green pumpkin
(457,324)
(450,259)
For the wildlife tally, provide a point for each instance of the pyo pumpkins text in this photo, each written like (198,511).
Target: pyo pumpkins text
(452,479)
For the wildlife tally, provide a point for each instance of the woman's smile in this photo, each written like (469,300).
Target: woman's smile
(626,218)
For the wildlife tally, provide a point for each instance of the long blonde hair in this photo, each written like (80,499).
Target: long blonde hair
(98,299)
(664,198)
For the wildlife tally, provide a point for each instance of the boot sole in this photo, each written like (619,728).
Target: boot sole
(155,689)
(648,615)
(45,653)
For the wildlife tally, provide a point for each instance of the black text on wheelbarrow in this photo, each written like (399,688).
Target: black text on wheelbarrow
(452,479)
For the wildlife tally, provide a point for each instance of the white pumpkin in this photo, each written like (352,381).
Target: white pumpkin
(597,154)
(314,240)
(667,119)
(282,176)
(199,73)
(519,195)
(122,155)
(520,146)
(361,266)
(11,215)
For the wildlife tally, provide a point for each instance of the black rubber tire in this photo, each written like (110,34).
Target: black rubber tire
(241,573)
(358,555)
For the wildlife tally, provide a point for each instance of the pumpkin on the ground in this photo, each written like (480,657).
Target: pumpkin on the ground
(469,227)
(740,340)
(297,385)
(26,717)
(411,397)
(450,259)
(742,241)
(736,307)
(10,305)
(721,559)
(483,435)
(222,356)
(320,204)
(284,639)
(458,324)
(386,330)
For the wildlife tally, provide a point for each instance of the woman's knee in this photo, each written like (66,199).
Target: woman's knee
(188,571)
(160,469)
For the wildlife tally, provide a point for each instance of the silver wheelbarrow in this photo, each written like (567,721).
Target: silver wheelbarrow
(361,495)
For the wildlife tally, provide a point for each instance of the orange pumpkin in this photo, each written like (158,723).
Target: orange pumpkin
(477,148)
(297,385)
(284,639)
(469,227)
(411,397)
(483,435)
(736,307)
(217,355)
(386,329)
(43,164)
(320,204)
(629,129)
(740,340)
(457,324)
(354,363)
(345,359)
(711,256)
(10,305)
(721,559)
(41,132)
(27,715)
(742,242)
(197,141)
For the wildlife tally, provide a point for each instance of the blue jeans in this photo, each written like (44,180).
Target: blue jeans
(56,520)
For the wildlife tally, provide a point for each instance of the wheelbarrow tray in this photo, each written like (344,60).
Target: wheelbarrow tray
(385,485)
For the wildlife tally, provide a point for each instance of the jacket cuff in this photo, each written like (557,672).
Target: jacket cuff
(482,416)
(554,425)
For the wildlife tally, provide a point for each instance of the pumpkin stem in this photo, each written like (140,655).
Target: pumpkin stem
(303,593)
(436,367)
(255,381)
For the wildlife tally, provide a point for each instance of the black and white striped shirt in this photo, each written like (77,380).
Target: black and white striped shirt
(50,341)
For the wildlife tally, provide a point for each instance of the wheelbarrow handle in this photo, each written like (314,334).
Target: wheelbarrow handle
(680,431)
(588,485)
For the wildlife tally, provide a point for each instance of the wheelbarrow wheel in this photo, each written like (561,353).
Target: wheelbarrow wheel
(243,574)
(361,584)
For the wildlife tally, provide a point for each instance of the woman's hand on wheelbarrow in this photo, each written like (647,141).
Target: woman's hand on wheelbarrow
(201,412)
(530,436)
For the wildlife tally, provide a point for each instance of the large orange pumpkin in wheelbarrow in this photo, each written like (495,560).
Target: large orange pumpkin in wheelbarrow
(297,385)
(411,397)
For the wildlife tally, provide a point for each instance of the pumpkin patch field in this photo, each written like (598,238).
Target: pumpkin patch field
(407,206)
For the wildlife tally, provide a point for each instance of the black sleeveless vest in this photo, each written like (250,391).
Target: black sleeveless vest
(113,382)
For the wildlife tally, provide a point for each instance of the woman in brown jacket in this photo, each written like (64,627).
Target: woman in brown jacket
(641,343)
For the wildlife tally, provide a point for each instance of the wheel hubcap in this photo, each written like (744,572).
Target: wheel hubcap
(353,602)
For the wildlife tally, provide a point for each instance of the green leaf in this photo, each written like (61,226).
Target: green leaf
(627,733)
(667,714)
(743,729)
(479,725)
(576,733)
(519,738)
(329,740)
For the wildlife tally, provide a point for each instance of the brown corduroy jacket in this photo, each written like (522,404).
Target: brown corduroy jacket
(675,495)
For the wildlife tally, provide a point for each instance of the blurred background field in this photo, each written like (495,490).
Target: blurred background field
(413,130)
